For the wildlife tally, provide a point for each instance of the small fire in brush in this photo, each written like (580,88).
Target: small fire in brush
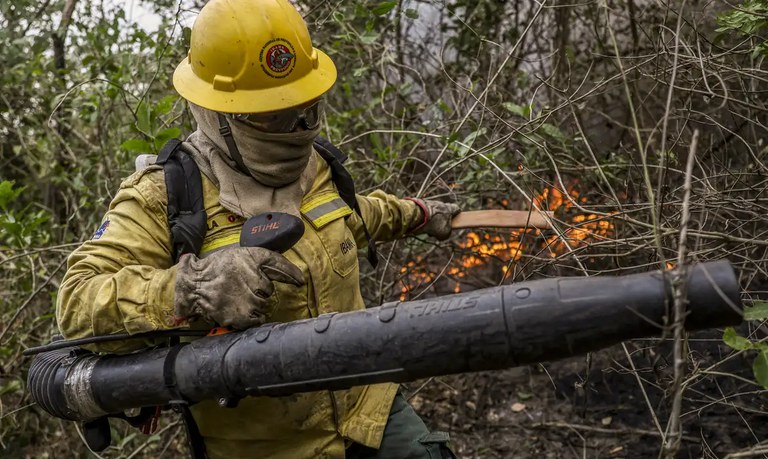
(476,250)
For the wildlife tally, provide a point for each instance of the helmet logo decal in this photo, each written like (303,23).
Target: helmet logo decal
(278,58)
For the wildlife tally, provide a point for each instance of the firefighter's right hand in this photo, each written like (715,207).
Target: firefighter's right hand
(231,287)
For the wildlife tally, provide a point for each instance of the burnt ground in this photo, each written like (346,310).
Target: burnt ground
(576,409)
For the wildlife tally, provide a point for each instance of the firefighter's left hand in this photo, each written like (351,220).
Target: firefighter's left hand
(437,218)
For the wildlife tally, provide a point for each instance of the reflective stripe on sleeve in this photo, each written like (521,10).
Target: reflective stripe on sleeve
(324,209)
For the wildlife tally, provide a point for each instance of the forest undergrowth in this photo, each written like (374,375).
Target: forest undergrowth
(642,124)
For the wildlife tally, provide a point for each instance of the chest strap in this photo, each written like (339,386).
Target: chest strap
(180,405)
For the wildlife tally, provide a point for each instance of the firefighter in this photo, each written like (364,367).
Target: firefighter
(255,87)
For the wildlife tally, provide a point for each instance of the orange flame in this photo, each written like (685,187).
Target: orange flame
(479,249)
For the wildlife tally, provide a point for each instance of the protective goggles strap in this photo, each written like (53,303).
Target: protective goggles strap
(226,131)
(284,121)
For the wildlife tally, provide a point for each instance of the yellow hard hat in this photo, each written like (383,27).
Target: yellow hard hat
(252,56)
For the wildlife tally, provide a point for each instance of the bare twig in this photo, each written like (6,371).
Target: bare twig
(674,425)
(29,299)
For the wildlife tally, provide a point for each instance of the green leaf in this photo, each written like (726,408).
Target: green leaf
(570,54)
(411,13)
(553,132)
(165,105)
(165,135)
(358,72)
(8,194)
(144,119)
(126,440)
(44,317)
(525,112)
(466,144)
(137,146)
(732,339)
(11,387)
(758,311)
(186,33)
(384,8)
(760,367)
(369,37)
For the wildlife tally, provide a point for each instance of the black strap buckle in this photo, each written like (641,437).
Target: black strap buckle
(225,130)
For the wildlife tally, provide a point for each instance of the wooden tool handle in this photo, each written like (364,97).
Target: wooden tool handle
(502,219)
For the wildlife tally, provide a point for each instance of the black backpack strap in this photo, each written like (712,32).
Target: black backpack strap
(186,213)
(345,186)
(181,406)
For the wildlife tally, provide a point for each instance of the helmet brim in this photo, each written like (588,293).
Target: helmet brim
(309,87)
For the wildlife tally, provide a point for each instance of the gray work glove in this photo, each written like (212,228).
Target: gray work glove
(437,218)
(231,287)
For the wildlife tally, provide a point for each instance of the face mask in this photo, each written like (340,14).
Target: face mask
(272,159)
(279,168)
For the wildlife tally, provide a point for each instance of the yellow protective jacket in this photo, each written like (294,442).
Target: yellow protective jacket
(123,280)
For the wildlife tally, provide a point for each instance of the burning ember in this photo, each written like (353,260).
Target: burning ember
(482,250)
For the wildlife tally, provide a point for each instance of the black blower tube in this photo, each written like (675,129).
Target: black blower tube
(486,329)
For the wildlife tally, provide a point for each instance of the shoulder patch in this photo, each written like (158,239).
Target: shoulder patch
(100,232)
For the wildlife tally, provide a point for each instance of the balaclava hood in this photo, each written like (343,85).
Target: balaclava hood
(281,167)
